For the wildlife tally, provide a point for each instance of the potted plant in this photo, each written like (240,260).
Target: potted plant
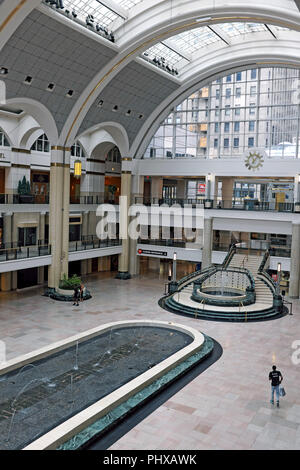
(70,283)
(111,190)
(24,191)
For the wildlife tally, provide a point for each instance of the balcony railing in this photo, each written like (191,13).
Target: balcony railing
(24,199)
(44,199)
(24,252)
(92,243)
(13,251)
(242,204)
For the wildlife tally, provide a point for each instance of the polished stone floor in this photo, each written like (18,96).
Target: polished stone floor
(226,407)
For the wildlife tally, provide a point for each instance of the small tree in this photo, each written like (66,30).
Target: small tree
(24,186)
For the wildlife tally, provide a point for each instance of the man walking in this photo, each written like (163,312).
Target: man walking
(276,379)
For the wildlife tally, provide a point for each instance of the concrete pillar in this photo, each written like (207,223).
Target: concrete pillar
(156,187)
(137,192)
(89,266)
(210,181)
(207,242)
(6,282)
(125,201)
(92,183)
(227,191)
(295,262)
(14,280)
(59,214)
(40,275)
(296,189)
(84,267)
(7,227)
(104,263)
(84,227)
(180,191)
(42,226)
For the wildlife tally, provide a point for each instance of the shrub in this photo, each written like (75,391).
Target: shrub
(70,283)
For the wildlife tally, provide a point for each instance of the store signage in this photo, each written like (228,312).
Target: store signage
(201,188)
(152,252)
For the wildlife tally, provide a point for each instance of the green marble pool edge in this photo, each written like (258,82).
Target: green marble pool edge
(121,410)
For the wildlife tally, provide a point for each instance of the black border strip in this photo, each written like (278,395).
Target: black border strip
(123,425)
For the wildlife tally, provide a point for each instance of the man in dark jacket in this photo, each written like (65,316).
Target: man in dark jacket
(276,379)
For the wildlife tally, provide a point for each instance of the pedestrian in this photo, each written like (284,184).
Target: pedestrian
(76,296)
(81,292)
(276,378)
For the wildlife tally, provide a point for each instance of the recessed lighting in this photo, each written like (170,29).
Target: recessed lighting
(50,87)
(141,116)
(100,104)
(200,20)
(3,71)
(115,108)
(28,80)
(70,94)
(128,112)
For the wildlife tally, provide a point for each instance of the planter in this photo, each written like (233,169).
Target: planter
(208,204)
(26,199)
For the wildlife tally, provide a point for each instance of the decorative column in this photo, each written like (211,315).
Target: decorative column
(125,200)
(137,192)
(156,188)
(7,227)
(207,242)
(295,262)
(59,214)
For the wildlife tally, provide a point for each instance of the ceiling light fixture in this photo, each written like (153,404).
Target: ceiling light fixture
(3,71)
(202,20)
(28,80)
(70,94)
(50,87)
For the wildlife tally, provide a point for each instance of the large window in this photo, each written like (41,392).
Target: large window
(42,144)
(3,139)
(259,107)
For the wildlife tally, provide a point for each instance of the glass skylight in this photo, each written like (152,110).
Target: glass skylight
(192,40)
(188,42)
(101,14)
(160,50)
(235,29)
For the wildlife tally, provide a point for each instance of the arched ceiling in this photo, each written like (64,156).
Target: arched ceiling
(116,81)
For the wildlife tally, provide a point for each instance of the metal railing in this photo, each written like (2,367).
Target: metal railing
(82,245)
(234,204)
(17,252)
(24,199)
(24,252)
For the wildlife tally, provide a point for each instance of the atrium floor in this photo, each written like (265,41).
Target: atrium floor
(226,407)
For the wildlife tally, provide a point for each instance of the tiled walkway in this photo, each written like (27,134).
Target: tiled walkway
(226,407)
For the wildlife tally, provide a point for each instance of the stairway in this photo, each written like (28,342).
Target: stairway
(262,309)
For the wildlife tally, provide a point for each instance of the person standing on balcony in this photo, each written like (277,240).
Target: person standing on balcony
(276,379)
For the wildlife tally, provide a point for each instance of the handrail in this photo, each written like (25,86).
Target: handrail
(229,255)
(235,270)
(264,261)
(269,280)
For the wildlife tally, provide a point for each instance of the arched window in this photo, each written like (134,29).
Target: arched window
(114,155)
(77,150)
(4,142)
(41,144)
(232,115)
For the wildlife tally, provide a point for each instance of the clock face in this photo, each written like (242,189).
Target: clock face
(254,161)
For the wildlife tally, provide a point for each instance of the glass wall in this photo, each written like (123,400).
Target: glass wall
(253,109)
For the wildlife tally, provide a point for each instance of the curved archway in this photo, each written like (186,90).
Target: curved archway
(40,113)
(154,25)
(30,136)
(111,133)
